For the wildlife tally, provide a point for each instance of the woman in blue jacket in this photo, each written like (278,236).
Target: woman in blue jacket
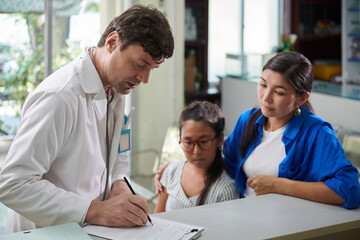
(282,147)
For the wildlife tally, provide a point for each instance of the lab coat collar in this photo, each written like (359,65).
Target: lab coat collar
(92,85)
(89,77)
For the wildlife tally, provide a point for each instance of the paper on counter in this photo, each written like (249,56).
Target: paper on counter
(161,230)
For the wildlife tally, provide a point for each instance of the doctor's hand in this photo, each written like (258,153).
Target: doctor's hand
(122,210)
(263,184)
(158,185)
(119,187)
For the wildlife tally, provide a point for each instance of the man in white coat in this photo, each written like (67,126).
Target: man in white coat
(68,159)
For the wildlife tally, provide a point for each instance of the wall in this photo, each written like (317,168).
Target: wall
(241,95)
(159,103)
(338,111)
(237,96)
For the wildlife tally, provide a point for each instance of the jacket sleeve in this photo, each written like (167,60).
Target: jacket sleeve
(334,168)
(121,167)
(42,133)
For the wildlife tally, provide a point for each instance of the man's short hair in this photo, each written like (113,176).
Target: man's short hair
(143,25)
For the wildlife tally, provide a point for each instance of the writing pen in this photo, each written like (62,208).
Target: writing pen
(133,192)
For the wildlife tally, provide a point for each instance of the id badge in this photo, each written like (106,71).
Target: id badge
(124,144)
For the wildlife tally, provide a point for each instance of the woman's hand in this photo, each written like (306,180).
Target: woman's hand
(158,185)
(314,191)
(262,184)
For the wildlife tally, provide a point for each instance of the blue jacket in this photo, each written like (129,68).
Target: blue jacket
(313,154)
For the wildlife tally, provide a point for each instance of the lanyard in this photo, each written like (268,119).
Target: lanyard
(107,145)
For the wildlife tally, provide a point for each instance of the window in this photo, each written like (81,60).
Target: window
(75,24)
(262,29)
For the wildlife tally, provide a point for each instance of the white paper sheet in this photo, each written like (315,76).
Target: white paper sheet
(161,230)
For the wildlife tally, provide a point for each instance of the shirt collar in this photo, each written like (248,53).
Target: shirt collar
(296,123)
(259,123)
(293,127)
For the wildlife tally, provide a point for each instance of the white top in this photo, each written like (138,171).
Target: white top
(222,190)
(56,164)
(266,157)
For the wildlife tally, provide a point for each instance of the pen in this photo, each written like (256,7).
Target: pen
(128,118)
(133,192)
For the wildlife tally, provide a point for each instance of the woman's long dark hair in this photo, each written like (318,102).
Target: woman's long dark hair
(211,115)
(299,73)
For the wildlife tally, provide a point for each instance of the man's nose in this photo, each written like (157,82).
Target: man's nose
(144,76)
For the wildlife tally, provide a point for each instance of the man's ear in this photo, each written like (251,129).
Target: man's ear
(112,41)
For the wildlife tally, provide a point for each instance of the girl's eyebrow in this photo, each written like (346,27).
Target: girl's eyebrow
(201,137)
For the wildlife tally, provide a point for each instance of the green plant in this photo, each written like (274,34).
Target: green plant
(2,131)
(29,59)
(19,81)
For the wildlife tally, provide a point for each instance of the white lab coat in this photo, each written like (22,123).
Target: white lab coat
(56,164)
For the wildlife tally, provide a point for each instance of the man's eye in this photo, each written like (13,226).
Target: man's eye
(187,143)
(140,65)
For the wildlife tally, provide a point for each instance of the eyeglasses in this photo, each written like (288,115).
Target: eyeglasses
(204,144)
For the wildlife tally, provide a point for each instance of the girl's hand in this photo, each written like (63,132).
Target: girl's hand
(158,185)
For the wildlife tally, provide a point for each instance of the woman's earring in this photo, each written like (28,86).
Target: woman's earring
(297,112)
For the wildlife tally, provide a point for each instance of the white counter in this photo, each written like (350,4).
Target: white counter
(270,216)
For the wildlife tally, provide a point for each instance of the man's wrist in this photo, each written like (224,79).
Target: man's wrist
(119,187)
(91,215)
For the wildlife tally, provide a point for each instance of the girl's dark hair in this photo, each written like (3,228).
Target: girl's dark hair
(299,73)
(143,25)
(211,115)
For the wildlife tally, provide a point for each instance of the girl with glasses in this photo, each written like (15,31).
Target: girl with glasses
(201,179)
